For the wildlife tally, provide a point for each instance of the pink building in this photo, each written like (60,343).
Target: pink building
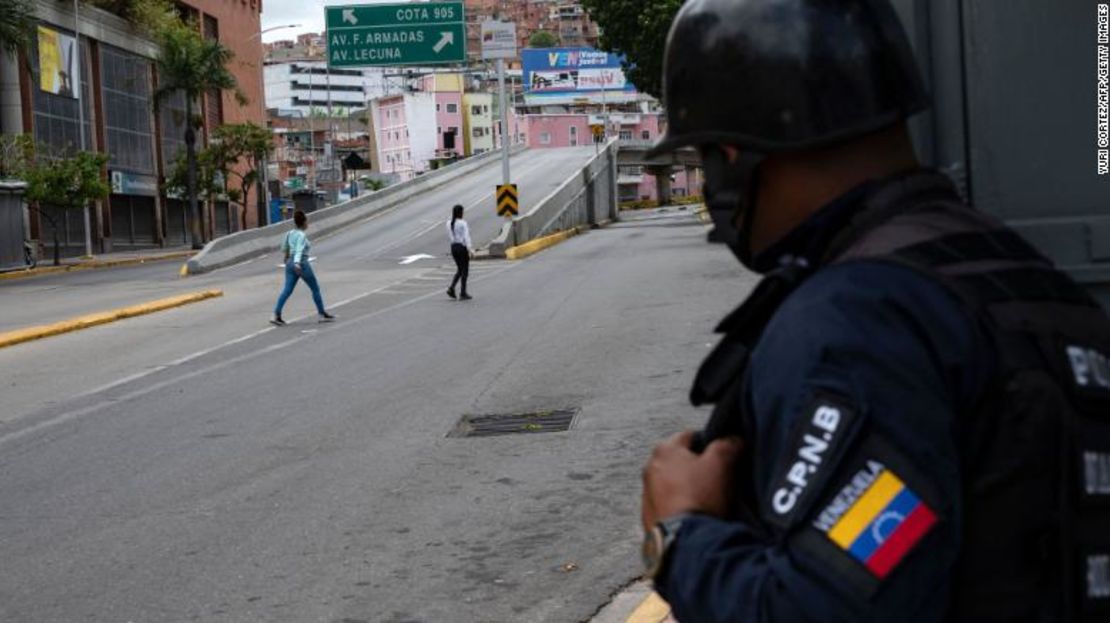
(449,124)
(394,145)
(448,90)
(638,129)
(517,132)
(406,136)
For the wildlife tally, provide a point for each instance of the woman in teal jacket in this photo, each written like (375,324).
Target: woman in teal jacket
(296,248)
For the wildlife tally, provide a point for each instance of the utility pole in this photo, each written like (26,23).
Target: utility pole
(506,178)
(312,132)
(81,115)
(264,216)
(329,139)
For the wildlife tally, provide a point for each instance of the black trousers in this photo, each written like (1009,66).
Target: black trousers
(462,262)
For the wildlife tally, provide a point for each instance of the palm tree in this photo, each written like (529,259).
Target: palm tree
(194,66)
(17,22)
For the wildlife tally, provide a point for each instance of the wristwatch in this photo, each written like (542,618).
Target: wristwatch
(657,543)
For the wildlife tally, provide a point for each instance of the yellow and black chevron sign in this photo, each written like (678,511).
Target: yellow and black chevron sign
(508,200)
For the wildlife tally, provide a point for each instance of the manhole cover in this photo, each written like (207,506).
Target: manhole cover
(514,423)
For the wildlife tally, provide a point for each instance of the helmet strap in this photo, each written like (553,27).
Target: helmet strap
(731,189)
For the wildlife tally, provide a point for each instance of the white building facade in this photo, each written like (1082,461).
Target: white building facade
(307,85)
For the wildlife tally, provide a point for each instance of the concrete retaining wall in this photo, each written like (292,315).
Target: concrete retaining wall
(589,197)
(244,245)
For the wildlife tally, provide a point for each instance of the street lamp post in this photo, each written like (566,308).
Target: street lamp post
(263,174)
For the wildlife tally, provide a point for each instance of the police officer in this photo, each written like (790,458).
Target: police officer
(912,410)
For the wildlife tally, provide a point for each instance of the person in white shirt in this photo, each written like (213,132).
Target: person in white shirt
(461,250)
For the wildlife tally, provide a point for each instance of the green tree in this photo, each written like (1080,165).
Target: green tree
(250,144)
(638,30)
(372,184)
(150,16)
(17,22)
(210,186)
(542,39)
(68,182)
(194,65)
(17,151)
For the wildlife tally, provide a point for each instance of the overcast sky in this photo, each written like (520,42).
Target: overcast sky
(308,13)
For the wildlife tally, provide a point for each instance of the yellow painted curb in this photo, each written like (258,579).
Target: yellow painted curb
(651,610)
(84,322)
(131,261)
(539,244)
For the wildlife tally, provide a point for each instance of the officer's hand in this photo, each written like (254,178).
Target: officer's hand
(297,269)
(678,481)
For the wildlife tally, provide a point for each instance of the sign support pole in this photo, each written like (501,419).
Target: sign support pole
(506,179)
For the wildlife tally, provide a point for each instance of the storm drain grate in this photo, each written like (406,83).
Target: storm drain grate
(514,423)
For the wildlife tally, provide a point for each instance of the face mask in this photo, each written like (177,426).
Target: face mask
(730,192)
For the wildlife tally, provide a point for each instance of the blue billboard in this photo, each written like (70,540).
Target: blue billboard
(567,75)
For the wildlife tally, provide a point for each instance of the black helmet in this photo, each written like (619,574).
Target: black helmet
(784,75)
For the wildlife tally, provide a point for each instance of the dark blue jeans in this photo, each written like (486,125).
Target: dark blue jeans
(291,279)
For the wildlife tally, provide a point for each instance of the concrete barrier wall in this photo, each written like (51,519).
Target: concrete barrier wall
(589,197)
(244,245)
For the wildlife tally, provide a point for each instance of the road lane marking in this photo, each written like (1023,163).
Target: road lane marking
(102,404)
(67,416)
(88,321)
(71,415)
(525,169)
(416,258)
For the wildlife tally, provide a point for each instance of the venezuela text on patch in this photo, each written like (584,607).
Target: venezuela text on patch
(876,519)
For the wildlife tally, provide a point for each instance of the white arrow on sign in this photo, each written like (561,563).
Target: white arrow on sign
(447,39)
(349,16)
(416,258)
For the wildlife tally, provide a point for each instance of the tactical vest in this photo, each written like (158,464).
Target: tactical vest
(1035,452)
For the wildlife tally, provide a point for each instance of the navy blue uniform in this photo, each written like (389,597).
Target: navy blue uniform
(851,469)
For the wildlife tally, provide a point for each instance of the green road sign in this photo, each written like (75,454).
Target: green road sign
(396,34)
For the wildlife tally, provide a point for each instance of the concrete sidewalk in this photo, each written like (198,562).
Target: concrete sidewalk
(636,604)
(106,260)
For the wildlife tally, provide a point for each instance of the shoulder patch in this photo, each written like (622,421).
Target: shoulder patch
(816,443)
(876,519)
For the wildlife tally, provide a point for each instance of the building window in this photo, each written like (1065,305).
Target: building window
(55,116)
(626,135)
(172,120)
(214,101)
(127,110)
(545,138)
(437,107)
(646,135)
(573,136)
(452,109)
(475,110)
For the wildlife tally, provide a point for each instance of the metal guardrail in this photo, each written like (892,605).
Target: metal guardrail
(589,197)
(245,245)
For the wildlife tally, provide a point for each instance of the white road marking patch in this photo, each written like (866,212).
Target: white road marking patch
(416,258)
